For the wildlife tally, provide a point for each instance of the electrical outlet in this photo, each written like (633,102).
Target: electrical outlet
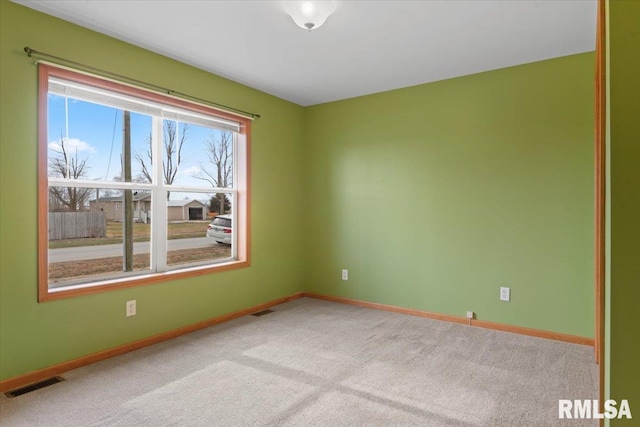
(505,294)
(131,308)
(345,274)
(469,314)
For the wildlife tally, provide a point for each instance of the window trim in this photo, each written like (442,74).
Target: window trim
(243,202)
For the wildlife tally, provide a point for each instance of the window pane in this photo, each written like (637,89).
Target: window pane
(196,155)
(87,140)
(87,244)
(198,232)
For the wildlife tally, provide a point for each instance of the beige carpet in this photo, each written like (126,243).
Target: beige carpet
(316,363)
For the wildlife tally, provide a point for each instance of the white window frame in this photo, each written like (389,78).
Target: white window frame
(159,107)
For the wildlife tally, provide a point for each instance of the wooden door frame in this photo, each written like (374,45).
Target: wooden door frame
(600,191)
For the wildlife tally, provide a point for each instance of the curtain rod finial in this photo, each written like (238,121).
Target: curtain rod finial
(28,50)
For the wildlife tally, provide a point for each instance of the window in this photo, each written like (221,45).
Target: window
(131,184)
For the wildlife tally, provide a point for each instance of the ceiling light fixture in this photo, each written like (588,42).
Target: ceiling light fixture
(309,14)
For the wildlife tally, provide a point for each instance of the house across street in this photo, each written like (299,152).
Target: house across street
(177,210)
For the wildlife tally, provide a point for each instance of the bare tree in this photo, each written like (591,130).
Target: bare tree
(173,143)
(68,165)
(219,171)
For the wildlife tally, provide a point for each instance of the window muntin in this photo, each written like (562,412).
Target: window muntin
(214,151)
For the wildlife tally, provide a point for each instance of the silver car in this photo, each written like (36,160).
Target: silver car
(220,229)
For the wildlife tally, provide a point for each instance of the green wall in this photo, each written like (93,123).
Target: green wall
(623,281)
(36,335)
(434,196)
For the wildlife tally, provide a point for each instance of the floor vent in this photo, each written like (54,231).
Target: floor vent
(33,387)
(262,313)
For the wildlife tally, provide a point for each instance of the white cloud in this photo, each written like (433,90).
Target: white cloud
(193,170)
(72,145)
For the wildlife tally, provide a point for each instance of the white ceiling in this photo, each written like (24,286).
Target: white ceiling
(364,47)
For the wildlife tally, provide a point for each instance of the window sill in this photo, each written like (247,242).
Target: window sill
(47,294)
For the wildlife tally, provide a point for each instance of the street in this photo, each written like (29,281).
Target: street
(106,251)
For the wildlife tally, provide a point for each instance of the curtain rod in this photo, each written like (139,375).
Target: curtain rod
(104,73)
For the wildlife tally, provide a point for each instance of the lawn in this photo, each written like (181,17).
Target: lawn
(86,268)
(141,233)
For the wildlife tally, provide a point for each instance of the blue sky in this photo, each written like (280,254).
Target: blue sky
(95,133)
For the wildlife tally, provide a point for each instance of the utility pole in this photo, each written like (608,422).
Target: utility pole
(128,194)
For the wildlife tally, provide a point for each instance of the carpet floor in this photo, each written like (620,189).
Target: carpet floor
(317,363)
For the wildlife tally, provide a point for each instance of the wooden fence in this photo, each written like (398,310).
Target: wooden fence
(77,225)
